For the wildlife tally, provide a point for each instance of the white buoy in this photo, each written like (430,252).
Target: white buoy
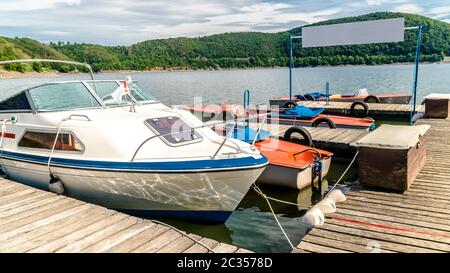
(55,185)
(337,196)
(314,217)
(327,205)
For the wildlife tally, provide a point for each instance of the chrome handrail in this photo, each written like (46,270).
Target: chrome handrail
(225,140)
(259,129)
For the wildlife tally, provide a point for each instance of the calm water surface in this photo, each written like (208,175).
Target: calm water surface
(252,225)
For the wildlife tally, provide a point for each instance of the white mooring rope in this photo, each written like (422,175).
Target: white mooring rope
(267,198)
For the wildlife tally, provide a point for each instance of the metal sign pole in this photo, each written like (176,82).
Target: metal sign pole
(290,66)
(291,62)
(327,92)
(416,73)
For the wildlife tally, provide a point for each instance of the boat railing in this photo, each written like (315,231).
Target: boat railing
(205,125)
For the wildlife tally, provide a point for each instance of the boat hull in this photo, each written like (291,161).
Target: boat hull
(200,196)
(284,176)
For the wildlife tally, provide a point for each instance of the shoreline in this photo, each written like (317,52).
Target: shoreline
(4,74)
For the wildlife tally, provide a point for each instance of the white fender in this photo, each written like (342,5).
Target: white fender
(327,205)
(337,196)
(314,217)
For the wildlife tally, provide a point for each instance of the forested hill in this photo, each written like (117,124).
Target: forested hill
(240,50)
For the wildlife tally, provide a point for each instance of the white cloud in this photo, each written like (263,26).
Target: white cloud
(27,5)
(408,8)
(382,2)
(54,33)
(113,22)
(439,12)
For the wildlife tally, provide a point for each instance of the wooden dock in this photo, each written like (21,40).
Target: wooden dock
(373,220)
(379,111)
(32,220)
(335,140)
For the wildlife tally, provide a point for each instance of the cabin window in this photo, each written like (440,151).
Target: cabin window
(15,103)
(173,130)
(62,96)
(45,140)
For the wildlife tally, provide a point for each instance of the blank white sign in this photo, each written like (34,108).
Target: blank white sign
(367,32)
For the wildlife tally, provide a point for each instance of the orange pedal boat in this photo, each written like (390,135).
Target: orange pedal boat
(291,165)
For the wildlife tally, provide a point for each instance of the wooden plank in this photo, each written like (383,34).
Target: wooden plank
(396,208)
(198,248)
(320,248)
(38,203)
(159,242)
(406,230)
(139,239)
(340,244)
(13,196)
(224,248)
(32,220)
(98,235)
(388,235)
(72,238)
(23,201)
(35,214)
(402,216)
(65,212)
(26,241)
(121,236)
(177,246)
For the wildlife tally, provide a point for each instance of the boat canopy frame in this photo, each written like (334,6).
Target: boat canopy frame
(91,72)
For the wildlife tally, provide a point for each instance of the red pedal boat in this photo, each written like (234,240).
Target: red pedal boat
(373,98)
(321,120)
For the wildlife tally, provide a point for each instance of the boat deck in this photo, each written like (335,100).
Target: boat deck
(33,220)
(371,220)
(383,111)
(335,140)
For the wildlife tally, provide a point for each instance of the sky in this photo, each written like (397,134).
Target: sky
(123,22)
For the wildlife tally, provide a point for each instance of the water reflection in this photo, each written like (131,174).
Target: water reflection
(252,225)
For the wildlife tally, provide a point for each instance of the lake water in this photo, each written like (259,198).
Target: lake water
(252,225)
(228,85)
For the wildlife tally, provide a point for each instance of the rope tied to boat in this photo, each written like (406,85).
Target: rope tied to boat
(257,189)
(344,173)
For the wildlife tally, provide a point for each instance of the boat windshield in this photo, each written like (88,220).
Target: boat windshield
(76,95)
(113,93)
(62,96)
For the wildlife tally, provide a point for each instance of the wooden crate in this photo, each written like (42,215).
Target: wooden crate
(393,169)
(437,108)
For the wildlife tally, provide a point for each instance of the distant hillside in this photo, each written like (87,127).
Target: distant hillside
(23,48)
(240,50)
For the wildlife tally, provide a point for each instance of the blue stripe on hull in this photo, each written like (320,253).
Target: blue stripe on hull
(213,217)
(164,166)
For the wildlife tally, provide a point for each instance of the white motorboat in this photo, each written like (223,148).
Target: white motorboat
(94,141)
